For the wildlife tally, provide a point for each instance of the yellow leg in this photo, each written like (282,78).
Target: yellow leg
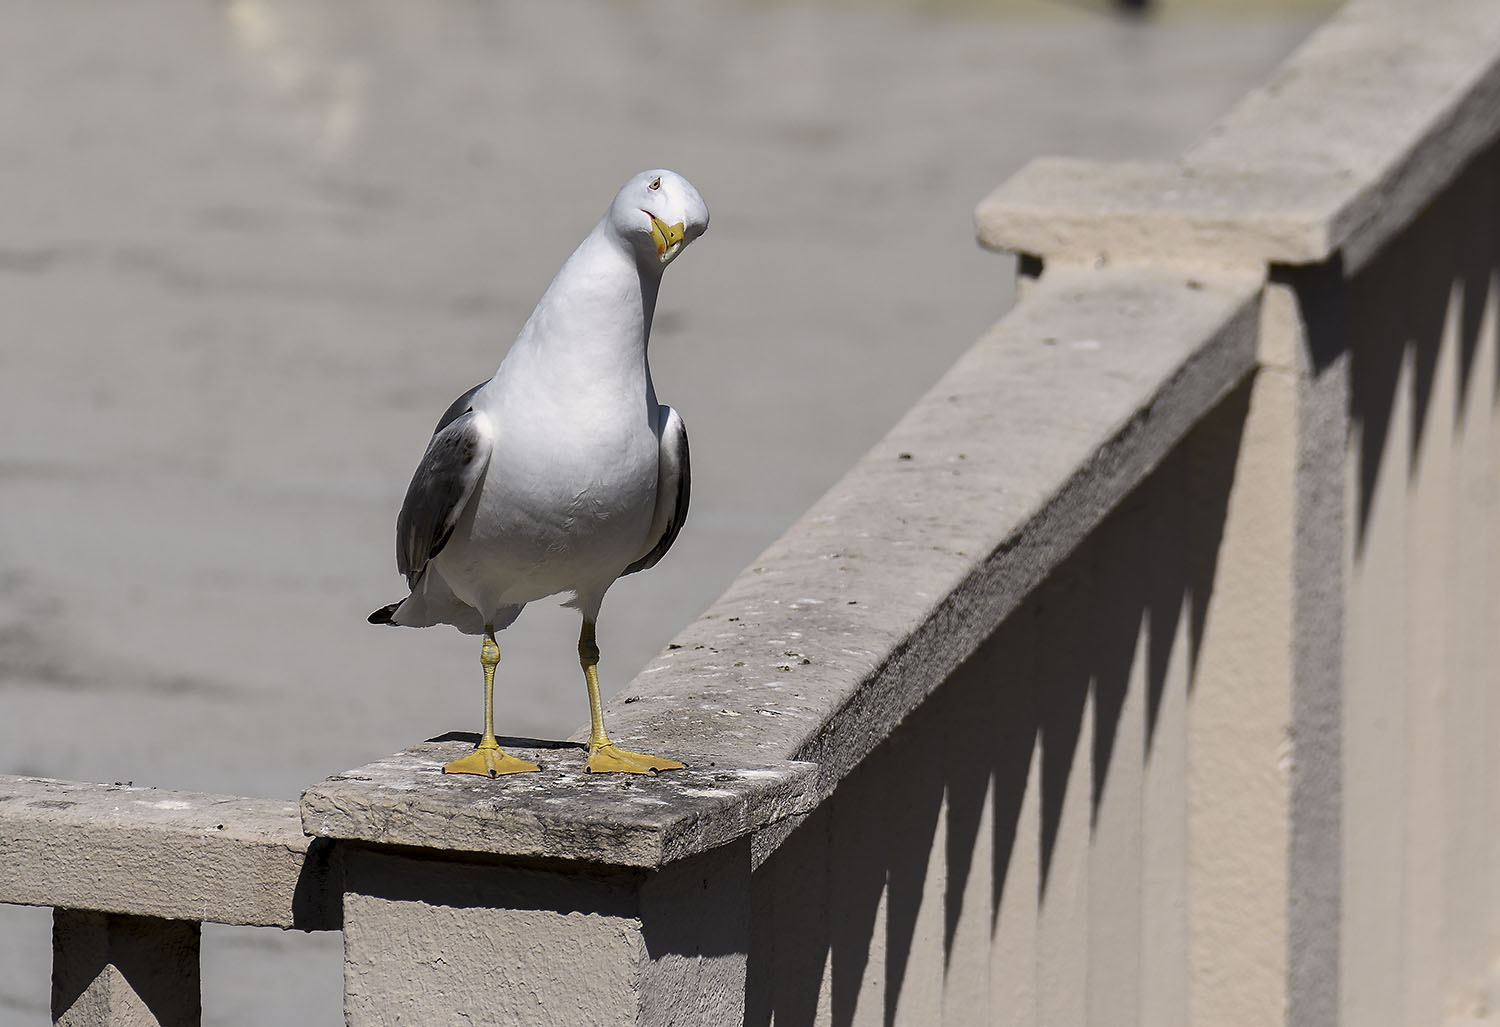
(488,758)
(605,757)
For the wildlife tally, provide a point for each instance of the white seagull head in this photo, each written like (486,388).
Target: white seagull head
(658,213)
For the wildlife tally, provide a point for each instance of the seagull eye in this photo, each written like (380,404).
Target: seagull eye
(655,183)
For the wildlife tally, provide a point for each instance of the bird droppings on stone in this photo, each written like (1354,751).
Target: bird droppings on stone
(709,793)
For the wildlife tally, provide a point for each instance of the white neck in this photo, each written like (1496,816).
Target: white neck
(593,323)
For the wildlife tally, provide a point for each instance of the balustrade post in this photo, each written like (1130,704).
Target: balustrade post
(450,941)
(116,970)
(555,897)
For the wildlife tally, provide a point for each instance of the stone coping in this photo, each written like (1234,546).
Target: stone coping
(562,812)
(869,602)
(1335,152)
(163,853)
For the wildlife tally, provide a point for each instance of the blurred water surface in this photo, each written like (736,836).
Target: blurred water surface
(250,250)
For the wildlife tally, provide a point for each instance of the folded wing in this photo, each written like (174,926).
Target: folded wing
(442,487)
(672,489)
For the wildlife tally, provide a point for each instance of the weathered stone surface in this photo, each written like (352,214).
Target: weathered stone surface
(841,628)
(159,853)
(1340,148)
(562,812)
(1066,208)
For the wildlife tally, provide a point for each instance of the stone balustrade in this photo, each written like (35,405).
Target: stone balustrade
(1143,674)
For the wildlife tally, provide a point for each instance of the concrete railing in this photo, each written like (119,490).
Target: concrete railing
(1142,675)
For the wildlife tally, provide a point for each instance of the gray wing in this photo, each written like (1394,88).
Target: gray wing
(673,479)
(442,486)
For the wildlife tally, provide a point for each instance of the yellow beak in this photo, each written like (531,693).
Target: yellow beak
(668,238)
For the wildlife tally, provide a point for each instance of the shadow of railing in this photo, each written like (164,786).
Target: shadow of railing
(932,820)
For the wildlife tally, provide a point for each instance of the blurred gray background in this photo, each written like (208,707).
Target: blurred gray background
(249,251)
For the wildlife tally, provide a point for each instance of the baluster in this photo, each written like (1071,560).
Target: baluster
(116,970)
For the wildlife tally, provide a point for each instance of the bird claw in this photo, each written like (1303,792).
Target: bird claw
(611,759)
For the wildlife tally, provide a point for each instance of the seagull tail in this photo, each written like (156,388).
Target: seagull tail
(386,614)
(441,607)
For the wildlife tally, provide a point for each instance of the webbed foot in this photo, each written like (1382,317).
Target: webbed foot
(609,758)
(489,761)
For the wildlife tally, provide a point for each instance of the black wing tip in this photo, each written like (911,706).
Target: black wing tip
(386,614)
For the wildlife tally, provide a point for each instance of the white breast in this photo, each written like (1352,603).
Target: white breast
(565,505)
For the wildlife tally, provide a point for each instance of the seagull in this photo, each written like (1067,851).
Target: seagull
(562,473)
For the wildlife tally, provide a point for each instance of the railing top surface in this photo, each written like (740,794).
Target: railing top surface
(157,852)
(892,579)
(1352,135)
(562,812)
